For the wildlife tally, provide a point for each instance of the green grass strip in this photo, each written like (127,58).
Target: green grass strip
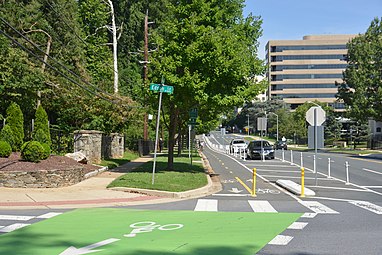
(184,176)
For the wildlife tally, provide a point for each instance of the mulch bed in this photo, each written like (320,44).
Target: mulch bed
(15,163)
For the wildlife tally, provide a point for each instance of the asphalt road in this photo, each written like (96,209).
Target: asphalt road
(344,217)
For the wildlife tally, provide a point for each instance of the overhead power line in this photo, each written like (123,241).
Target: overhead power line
(53,68)
(79,37)
(56,61)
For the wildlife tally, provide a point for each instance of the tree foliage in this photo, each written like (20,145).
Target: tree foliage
(362,87)
(41,131)
(208,52)
(15,120)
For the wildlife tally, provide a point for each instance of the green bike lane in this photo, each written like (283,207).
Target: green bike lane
(117,231)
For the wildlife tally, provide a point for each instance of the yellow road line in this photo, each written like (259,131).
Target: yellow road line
(244,185)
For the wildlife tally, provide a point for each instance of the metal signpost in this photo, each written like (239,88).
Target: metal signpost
(166,89)
(193,113)
(315,116)
(262,126)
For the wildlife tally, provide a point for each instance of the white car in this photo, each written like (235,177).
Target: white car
(237,144)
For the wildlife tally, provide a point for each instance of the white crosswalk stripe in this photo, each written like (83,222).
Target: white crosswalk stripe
(13,227)
(261,206)
(298,225)
(48,215)
(281,240)
(368,206)
(210,205)
(16,217)
(317,207)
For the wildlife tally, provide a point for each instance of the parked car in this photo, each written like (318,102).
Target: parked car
(238,144)
(255,148)
(280,145)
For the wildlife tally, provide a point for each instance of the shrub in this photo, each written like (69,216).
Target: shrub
(32,151)
(7,135)
(5,149)
(41,131)
(46,150)
(15,120)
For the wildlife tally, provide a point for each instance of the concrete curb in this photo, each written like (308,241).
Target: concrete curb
(96,172)
(213,186)
(295,188)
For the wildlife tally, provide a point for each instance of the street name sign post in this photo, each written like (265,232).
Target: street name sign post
(162,89)
(315,116)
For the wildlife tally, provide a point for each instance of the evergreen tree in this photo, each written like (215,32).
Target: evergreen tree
(15,120)
(41,131)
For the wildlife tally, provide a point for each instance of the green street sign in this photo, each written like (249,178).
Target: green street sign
(193,113)
(162,88)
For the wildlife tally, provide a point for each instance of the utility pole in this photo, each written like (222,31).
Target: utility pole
(145,71)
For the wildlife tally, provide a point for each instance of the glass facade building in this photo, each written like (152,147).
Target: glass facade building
(306,70)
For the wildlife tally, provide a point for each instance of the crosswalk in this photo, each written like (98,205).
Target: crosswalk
(312,207)
(22,218)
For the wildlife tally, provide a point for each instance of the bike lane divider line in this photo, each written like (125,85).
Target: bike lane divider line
(116,231)
(261,206)
(244,185)
(209,205)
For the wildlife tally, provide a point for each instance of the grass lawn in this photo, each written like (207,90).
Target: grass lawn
(184,176)
(127,157)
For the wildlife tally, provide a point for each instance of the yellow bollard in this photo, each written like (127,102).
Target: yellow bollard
(254,183)
(302,182)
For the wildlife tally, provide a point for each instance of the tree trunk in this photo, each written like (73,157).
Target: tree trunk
(180,136)
(174,112)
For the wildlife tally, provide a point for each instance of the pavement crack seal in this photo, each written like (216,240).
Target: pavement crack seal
(180,246)
(31,198)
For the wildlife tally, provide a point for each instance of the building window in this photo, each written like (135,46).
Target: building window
(378,129)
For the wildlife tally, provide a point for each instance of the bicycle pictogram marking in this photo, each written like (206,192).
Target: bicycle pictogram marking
(149,226)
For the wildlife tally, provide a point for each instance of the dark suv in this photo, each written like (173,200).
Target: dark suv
(255,147)
(280,145)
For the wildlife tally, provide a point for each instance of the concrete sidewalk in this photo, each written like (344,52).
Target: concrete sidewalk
(91,192)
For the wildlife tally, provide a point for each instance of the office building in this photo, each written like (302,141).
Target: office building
(306,70)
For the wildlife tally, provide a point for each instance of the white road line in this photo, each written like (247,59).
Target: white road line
(231,195)
(15,217)
(309,215)
(338,188)
(372,171)
(281,171)
(317,207)
(48,215)
(248,164)
(13,227)
(209,205)
(261,206)
(372,187)
(297,225)
(281,240)
(368,206)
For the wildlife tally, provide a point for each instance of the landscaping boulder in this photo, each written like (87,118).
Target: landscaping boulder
(77,156)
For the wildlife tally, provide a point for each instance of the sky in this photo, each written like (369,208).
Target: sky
(292,19)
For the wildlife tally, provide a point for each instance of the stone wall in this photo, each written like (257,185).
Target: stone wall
(41,178)
(117,143)
(95,145)
(89,142)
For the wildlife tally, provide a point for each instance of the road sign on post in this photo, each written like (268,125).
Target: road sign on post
(321,115)
(261,124)
(162,88)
